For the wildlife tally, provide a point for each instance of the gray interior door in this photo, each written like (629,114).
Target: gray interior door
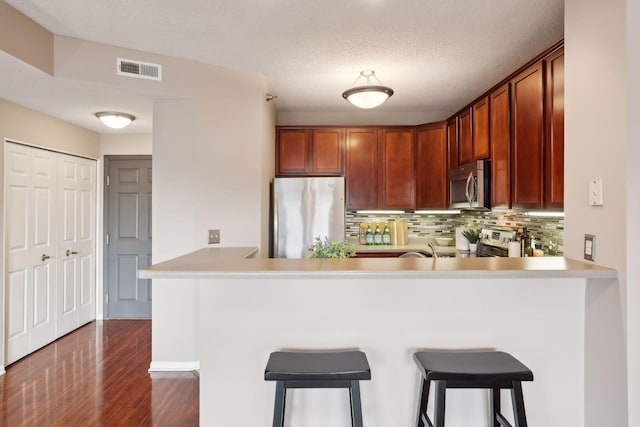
(128,236)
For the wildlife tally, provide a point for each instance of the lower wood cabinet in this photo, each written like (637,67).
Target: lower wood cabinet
(431,166)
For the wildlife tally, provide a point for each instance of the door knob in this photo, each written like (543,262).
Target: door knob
(44,257)
(70,252)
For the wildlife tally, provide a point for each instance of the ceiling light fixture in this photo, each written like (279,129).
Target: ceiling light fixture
(114,119)
(367,96)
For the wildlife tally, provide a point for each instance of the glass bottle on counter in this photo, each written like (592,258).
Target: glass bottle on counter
(532,246)
(386,236)
(369,235)
(524,242)
(377,236)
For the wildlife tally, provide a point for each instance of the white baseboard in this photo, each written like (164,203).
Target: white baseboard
(174,366)
(2,369)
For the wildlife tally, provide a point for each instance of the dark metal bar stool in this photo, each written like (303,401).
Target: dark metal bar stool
(493,370)
(317,370)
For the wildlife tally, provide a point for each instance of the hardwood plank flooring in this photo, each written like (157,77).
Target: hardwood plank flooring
(97,376)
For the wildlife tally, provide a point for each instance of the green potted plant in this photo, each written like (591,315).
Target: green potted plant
(324,248)
(472,235)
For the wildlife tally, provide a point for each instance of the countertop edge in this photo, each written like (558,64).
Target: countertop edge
(237,263)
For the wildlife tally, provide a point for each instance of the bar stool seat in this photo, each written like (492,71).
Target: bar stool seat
(317,370)
(493,370)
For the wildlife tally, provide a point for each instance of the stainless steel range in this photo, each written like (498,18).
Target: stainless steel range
(495,242)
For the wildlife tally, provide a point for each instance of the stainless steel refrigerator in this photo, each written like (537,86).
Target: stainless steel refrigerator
(303,208)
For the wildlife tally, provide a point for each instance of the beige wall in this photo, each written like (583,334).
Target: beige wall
(25,39)
(20,124)
(596,146)
(213,143)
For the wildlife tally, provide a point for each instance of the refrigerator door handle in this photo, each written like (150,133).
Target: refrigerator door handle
(275,224)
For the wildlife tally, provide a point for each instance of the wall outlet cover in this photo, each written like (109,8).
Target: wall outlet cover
(214,236)
(589,247)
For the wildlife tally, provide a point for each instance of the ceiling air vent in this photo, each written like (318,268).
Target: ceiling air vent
(139,69)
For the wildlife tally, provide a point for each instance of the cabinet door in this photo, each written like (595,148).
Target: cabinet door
(465,139)
(327,152)
(452,143)
(431,166)
(554,146)
(398,168)
(292,152)
(481,129)
(362,168)
(527,144)
(499,135)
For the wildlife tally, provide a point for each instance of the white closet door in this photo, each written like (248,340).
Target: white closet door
(30,243)
(76,243)
(86,226)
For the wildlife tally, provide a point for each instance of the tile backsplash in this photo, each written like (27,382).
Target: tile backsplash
(545,229)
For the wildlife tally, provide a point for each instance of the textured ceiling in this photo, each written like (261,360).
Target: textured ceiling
(436,55)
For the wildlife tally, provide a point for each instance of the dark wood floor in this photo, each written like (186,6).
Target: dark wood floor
(97,376)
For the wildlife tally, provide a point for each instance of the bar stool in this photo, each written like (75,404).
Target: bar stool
(494,370)
(317,370)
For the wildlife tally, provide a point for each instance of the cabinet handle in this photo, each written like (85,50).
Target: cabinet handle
(44,257)
(70,252)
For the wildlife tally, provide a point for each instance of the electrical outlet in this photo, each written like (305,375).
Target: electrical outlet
(589,247)
(214,236)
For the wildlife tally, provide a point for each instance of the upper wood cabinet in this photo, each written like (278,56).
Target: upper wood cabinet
(554,144)
(431,166)
(380,168)
(527,143)
(452,142)
(398,168)
(362,168)
(481,129)
(500,151)
(465,137)
(292,151)
(310,151)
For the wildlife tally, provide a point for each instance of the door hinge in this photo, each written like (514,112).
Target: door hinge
(107,239)
(108,180)
(107,298)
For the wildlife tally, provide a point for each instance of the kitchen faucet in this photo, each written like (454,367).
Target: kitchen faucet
(433,249)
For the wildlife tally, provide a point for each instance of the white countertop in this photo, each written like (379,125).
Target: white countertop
(211,263)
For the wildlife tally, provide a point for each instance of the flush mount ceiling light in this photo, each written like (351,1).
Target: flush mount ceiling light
(114,119)
(367,96)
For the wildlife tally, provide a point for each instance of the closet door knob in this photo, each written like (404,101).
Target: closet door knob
(44,257)
(70,252)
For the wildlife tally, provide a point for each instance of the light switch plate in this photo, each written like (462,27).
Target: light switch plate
(214,236)
(596,197)
(589,247)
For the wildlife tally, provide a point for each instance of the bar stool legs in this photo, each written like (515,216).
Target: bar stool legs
(278,409)
(482,370)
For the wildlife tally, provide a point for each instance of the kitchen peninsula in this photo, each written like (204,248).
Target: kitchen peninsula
(560,317)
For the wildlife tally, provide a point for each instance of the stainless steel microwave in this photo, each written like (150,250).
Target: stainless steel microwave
(470,186)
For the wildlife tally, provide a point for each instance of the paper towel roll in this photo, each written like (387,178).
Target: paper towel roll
(514,249)
(462,244)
